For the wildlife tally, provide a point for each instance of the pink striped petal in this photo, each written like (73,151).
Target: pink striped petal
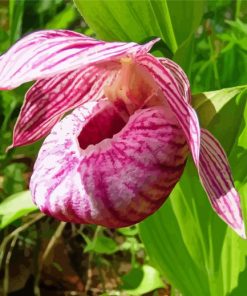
(217,180)
(170,79)
(95,168)
(44,54)
(180,77)
(48,99)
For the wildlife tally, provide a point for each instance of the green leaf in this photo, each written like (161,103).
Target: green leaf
(101,245)
(173,21)
(16,9)
(63,19)
(208,104)
(127,20)
(141,280)
(128,231)
(187,233)
(15,207)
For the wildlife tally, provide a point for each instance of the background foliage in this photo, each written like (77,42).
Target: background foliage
(184,248)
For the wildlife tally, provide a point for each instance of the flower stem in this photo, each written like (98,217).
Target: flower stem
(237,9)
(214,56)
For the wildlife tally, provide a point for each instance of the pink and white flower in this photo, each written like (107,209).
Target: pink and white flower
(115,159)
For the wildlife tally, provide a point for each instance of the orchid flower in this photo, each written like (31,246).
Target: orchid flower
(116,157)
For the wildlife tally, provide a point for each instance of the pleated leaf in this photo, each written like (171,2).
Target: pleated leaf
(173,21)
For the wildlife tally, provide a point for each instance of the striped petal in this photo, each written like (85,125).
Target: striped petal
(95,168)
(48,99)
(217,180)
(44,54)
(171,79)
(180,77)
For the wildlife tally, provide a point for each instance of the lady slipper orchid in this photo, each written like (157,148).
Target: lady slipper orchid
(115,159)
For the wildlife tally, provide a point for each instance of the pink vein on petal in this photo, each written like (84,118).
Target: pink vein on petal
(133,167)
(49,99)
(216,178)
(179,104)
(44,54)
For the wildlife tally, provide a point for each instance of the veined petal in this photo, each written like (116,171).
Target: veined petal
(44,54)
(114,182)
(216,178)
(170,82)
(180,76)
(48,99)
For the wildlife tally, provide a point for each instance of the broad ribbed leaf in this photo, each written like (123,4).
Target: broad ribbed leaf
(186,232)
(208,104)
(173,21)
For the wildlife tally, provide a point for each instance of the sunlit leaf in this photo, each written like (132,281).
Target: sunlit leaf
(172,21)
(128,231)
(141,280)
(208,104)
(15,207)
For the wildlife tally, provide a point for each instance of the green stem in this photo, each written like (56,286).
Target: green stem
(90,259)
(56,235)
(18,230)
(238,8)
(213,56)
(6,269)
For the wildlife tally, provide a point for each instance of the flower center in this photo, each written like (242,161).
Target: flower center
(134,88)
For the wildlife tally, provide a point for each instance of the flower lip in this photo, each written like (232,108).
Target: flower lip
(115,183)
(134,86)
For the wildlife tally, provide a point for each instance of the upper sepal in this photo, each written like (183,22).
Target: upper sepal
(44,54)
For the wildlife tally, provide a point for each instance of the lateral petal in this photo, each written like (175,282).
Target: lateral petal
(47,53)
(48,99)
(180,76)
(170,79)
(216,178)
